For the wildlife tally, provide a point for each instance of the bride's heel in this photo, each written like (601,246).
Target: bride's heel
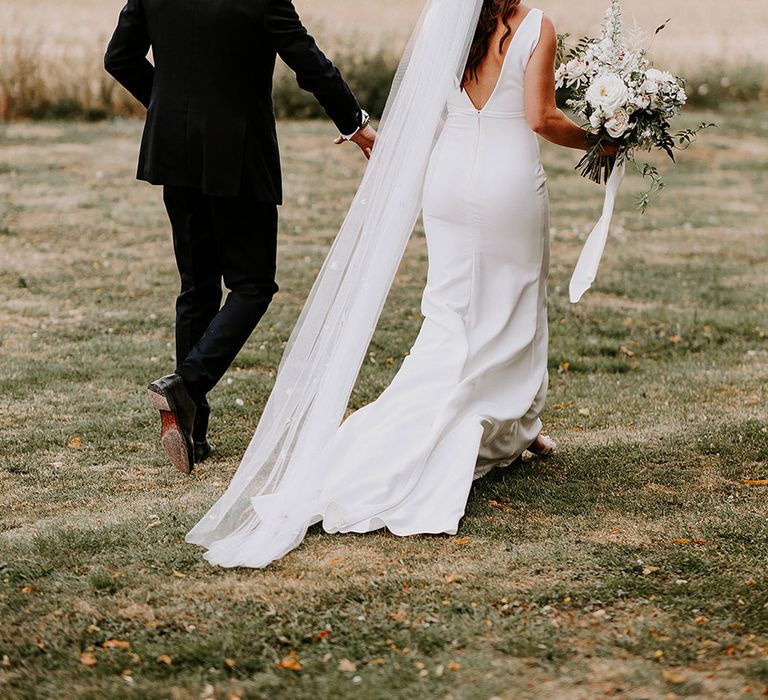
(543,446)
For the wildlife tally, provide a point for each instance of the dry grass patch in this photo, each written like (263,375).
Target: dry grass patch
(564,578)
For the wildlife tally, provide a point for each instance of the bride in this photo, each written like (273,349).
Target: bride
(458,142)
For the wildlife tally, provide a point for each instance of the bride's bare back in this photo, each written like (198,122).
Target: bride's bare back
(481,89)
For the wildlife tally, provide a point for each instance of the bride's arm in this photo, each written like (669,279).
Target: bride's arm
(541,108)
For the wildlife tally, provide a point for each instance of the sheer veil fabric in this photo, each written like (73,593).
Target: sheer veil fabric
(272,498)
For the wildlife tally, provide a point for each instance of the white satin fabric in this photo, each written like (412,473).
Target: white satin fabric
(589,261)
(469,395)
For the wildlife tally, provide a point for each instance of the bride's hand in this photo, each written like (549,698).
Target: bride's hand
(609,149)
(365,138)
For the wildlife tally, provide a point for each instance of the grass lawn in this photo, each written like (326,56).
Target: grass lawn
(631,565)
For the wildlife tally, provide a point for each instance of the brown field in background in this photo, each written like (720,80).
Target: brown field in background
(51,51)
(701,30)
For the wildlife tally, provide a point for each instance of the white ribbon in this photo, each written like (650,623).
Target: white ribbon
(589,260)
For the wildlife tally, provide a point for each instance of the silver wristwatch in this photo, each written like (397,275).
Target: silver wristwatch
(366,121)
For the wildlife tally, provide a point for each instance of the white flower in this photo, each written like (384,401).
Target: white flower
(560,76)
(659,76)
(608,93)
(575,70)
(618,124)
(596,119)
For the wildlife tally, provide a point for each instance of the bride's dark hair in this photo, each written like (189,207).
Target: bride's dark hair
(492,12)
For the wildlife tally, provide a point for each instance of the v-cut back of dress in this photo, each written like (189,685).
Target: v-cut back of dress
(500,77)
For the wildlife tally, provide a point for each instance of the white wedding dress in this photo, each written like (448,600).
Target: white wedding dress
(469,395)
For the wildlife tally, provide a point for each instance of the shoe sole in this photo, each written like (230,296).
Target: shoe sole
(171,435)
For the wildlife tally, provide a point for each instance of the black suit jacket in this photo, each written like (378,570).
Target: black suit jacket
(210,121)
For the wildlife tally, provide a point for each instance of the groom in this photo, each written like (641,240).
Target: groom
(210,140)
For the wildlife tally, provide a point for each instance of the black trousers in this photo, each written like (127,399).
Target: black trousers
(215,239)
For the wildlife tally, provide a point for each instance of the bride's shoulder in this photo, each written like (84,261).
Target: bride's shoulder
(547,26)
(546,21)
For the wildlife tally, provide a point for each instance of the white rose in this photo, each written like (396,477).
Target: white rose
(649,87)
(596,120)
(659,76)
(618,124)
(608,93)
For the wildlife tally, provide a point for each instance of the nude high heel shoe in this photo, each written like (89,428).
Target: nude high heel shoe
(543,446)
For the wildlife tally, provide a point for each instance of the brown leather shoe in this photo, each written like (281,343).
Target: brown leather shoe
(177,414)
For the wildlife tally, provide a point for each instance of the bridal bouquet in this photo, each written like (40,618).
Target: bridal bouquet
(612,85)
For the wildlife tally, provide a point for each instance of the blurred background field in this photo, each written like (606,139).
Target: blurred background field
(51,52)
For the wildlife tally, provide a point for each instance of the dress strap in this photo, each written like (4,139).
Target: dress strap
(530,41)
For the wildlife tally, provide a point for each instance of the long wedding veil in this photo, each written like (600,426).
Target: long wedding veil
(327,347)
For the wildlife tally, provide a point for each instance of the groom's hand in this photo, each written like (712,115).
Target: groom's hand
(365,138)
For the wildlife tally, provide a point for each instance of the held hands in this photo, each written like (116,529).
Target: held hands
(365,138)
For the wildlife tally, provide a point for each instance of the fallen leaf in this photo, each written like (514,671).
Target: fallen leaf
(75,442)
(675,339)
(658,655)
(756,482)
(624,350)
(688,541)
(648,570)
(178,574)
(323,634)
(137,611)
(88,659)
(164,659)
(27,590)
(453,578)
(498,506)
(92,629)
(674,678)
(347,666)
(701,620)
(290,662)
(454,666)
(462,540)
(6,661)
(750,582)
(116,644)
(377,661)
(230,662)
